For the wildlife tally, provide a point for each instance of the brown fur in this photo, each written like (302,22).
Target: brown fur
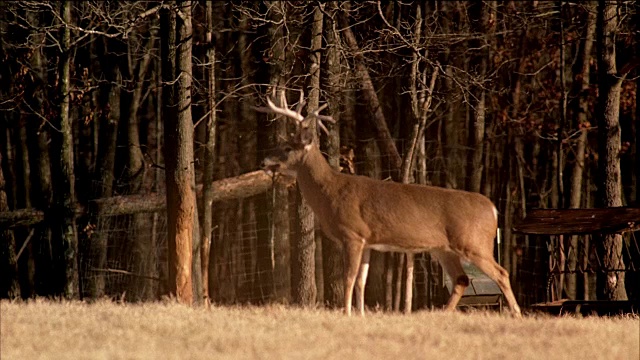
(365,214)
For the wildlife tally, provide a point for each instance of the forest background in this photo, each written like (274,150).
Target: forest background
(130,141)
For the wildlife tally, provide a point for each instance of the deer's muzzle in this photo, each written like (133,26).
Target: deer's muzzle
(270,166)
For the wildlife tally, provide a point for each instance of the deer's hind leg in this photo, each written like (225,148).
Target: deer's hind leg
(498,274)
(451,264)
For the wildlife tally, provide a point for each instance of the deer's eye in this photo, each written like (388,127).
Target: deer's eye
(287,149)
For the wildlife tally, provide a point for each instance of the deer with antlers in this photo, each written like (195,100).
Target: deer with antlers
(364,214)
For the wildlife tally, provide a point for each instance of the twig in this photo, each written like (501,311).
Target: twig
(125,272)
(24,245)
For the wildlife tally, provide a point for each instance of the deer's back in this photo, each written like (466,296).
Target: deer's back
(410,216)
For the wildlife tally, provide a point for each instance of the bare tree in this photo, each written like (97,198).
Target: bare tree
(9,285)
(332,263)
(141,247)
(378,121)
(248,153)
(108,121)
(279,238)
(207,202)
(179,147)
(38,138)
(303,281)
(580,111)
(482,17)
(64,230)
(611,284)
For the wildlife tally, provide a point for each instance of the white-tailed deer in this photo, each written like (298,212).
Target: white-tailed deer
(364,214)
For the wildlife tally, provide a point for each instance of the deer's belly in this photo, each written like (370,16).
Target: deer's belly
(391,248)
(404,248)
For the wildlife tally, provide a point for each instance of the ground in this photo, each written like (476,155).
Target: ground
(105,330)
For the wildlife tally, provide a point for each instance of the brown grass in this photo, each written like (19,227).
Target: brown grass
(105,330)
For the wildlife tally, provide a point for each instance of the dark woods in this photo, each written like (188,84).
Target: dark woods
(130,144)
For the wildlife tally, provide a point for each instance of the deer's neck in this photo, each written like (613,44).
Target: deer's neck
(315,175)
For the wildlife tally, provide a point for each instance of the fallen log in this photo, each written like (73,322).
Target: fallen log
(238,187)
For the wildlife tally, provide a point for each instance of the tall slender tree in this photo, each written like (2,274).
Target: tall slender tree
(332,262)
(303,282)
(480,14)
(64,221)
(179,146)
(580,111)
(207,179)
(9,284)
(610,284)
(279,237)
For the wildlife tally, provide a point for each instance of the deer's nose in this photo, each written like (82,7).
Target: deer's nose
(269,165)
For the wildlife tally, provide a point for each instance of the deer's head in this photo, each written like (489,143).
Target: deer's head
(292,151)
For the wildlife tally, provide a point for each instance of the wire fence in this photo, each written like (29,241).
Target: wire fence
(250,259)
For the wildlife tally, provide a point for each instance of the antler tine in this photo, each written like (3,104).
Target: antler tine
(326,118)
(301,102)
(280,110)
(316,114)
(324,128)
(284,110)
(324,106)
(320,118)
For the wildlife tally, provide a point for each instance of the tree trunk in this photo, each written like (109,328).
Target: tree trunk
(332,259)
(610,283)
(303,267)
(279,239)
(108,120)
(63,219)
(480,13)
(140,245)
(559,153)
(420,105)
(637,109)
(453,159)
(248,155)
(378,121)
(178,149)
(23,171)
(514,158)
(580,111)
(40,161)
(559,179)
(9,284)
(207,177)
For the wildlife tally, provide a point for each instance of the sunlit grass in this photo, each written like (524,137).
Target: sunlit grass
(107,330)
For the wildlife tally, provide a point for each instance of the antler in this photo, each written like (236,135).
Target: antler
(296,114)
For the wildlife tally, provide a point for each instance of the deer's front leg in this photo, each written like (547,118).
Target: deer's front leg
(362,280)
(352,257)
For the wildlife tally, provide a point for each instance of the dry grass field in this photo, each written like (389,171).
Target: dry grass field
(105,330)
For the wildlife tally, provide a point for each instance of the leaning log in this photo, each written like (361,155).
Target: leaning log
(238,187)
